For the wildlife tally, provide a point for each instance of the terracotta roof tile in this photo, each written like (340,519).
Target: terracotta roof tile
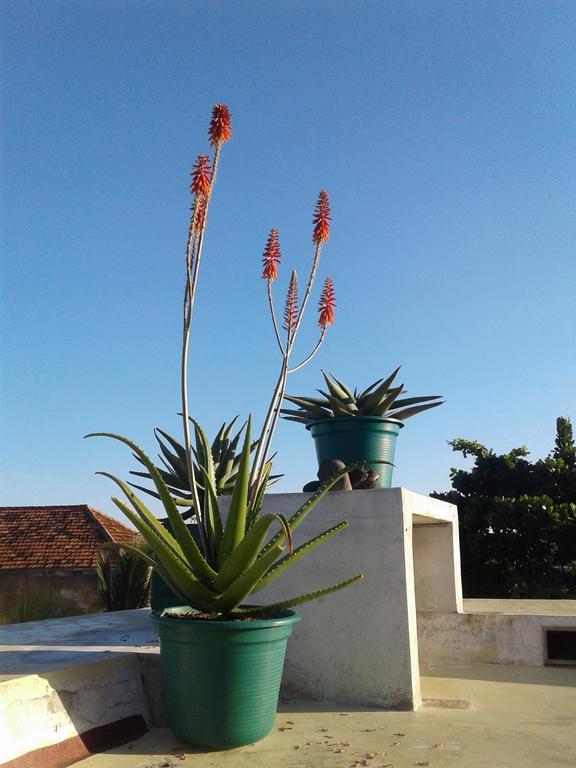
(56,537)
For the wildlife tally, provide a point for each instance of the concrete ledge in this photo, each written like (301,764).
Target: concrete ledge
(493,631)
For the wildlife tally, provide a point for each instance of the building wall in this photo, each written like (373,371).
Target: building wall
(76,589)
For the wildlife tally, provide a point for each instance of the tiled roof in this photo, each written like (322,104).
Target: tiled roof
(56,537)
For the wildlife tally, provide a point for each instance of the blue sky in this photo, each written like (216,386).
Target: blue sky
(444,133)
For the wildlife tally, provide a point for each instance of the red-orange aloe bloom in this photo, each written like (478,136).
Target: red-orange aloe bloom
(220,125)
(326,304)
(321,219)
(201,177)
(271,256)
(291,308)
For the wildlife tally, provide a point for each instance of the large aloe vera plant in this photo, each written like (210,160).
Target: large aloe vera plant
(234,558)
(239,561)
(224,455)
(379,399)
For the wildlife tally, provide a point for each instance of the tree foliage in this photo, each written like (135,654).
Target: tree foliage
(517,519)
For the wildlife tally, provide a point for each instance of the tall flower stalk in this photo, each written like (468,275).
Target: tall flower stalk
(293,314)
(236,557)
(203,180)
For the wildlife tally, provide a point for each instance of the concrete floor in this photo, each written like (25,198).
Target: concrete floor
(478,716)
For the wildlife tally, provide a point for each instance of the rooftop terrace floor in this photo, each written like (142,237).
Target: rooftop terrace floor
(478,716)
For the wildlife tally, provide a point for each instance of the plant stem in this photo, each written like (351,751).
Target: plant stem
(273,316)
(306,295)
(311,355)
(194,254)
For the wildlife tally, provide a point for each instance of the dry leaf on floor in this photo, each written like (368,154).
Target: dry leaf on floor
(394,744)
(284,728)
(296,746)
(289,722)
(426,762)
(368,730)
(399,734)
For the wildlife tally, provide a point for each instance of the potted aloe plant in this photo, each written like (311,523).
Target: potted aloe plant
(351,425)
(222,651)
(223,456)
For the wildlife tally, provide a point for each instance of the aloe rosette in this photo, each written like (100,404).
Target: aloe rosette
(240,560)
(379,399)
(224,455)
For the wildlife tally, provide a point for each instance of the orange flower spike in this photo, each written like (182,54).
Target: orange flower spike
(271,256)
(201,177)
(326,304)
(220,125)
(291,308)
(321,219)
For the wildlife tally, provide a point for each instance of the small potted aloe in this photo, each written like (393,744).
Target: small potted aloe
(221,651)
(351,425)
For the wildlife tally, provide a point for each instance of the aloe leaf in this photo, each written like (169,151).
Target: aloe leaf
(279,567)
(304,402)
(374,399)
(142,510)
(219,436)
(388,402)
(256,505)
(301,598)
(178,447)
(369,389)
(171,458)
(160,570)
(245,554)
(335,390)
(341,408)
(208,462)
(380,393)
(315,413)
(155,494)
(343,387)
(158,539)
(240,589)
(236,521)
(299,419)
(408,412)
(199,565)
(212,513)
(300,515)
(406,401)
(228,430)
(169,478)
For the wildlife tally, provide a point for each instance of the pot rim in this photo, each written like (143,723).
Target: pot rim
(286,616)
(340,419)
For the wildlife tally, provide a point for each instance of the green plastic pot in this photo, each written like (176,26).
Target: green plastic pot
(222,678)
(161,596)
(351,438)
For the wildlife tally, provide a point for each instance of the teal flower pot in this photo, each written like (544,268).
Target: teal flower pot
(351,438)
(222,678)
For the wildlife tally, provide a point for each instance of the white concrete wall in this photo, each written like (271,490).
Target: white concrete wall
(489,638)
(359,646)
(41,710)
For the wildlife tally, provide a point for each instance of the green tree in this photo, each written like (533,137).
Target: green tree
(517,519)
